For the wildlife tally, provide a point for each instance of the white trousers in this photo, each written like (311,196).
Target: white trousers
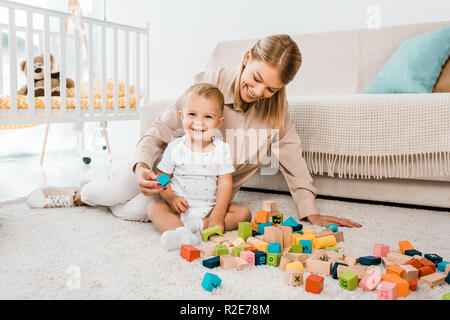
(119,192)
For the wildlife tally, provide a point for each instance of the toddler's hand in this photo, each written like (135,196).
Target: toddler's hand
(178,204)
(212,221)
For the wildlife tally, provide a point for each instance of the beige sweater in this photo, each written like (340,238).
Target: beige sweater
(246,156)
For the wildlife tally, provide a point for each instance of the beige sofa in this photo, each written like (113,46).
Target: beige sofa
(392,148)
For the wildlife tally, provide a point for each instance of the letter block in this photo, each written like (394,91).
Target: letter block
(314,283)
(278,219)
(273,259)
(348,280)
(248,256)
(402,284)
(211,281)
(387,291)
(370,280)
(260,258)
(306,244)
(294,277)
(274,247)
(433,258)
(221,249)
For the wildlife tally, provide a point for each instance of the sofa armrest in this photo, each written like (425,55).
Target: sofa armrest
(150,112)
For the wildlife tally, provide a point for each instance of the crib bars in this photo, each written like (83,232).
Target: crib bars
(111,58)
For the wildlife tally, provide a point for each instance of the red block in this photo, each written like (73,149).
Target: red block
(314,283)
(415,263)
(413,284)
(427,262)
(190,253)
(425,270)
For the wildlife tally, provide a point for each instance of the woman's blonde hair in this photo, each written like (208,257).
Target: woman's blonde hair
(281,52)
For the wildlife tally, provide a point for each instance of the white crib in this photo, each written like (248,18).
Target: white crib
(120,53)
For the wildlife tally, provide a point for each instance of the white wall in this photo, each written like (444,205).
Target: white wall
(184,32)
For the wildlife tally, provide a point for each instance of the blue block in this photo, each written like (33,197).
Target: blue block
(163,179)
(413,252)
(211,281)
(261,226)
(447,278)
(297,228)
(334,273)
(369,260)
(290,222)
(433,258)
(306,244)
(441,266)
(255,233)
(213,262)
(332,227)
(260,258)
(274,247)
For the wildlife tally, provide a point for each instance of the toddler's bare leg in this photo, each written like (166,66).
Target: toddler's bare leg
(162,216)
(235,214)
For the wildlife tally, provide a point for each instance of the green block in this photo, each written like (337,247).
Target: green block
(332,249)
(348,280)
(273,259)
(221,249)
(236,251)
(446,296)
(212,230)
(245,230)
(296,248)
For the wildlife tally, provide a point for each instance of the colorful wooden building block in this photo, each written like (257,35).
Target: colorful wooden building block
(405,245)
(238,242)
(274,234)
(433,279)
(334,273)
(348,280)
(235,252)
(278,219)
(339,236)
(211,262)
(369,260)
(262,246)
(370,280)
(402,284)
(163,179)
(446,296)
(314,264)
(380,250)
(262,226)
(308,231)
(429,263)
(190,253)
(227,261)
(209,251)
(253,249)
(333,248)
(413,252)
(296,248)
(415,263)
(410,272)
(306,245)
(447,278)
(294,265)
(248,256)
(241,264)
(358,269)
(413,284)
(255,232)
(261,216)
(290,222)
(333,227)
(322,242)
(270,205)
(295,238)
(260,258)
(314,284)
(323,233)
(221,249)
(387,291)
(294,277)
(283,262)
(244,230)
(274,247)
(273,259)
(441,265)
(211,281)
(399,271)
(206,233)
(287,235)
(425,270)
(302,257)
(397,257)
(433,258)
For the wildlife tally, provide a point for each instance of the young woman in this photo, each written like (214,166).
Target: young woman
(255,99)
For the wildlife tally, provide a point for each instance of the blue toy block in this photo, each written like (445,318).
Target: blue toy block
(447,278)
(274,247)
(211,281)
(306,244)
(255,233)
(260,258)
(290,222)
(298,228)
(261,226)
(441,265)
(163,179)
(413,252)
(213,262)
(332,227)
(369,260)
(334,273)
(433,258)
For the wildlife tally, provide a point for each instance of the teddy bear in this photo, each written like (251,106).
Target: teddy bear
(38,71)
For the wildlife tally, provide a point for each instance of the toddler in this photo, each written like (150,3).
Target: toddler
(200,167)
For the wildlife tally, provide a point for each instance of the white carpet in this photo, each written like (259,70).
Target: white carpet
(119,259)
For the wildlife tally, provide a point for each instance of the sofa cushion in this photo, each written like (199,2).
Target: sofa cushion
(415,65)
(443,82)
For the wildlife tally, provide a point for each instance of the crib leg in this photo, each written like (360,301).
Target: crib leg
(105,133)
(45,143)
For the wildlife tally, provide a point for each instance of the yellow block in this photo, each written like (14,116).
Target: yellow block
(262,246)
(308,237)
(296,265)
(322,242)
(296,237)
(308,231)
(238,242)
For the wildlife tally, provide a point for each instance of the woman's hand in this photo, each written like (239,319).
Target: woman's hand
(323,221)
(146,180)
(177,204)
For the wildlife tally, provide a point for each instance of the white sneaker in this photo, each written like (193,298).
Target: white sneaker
(52,197)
